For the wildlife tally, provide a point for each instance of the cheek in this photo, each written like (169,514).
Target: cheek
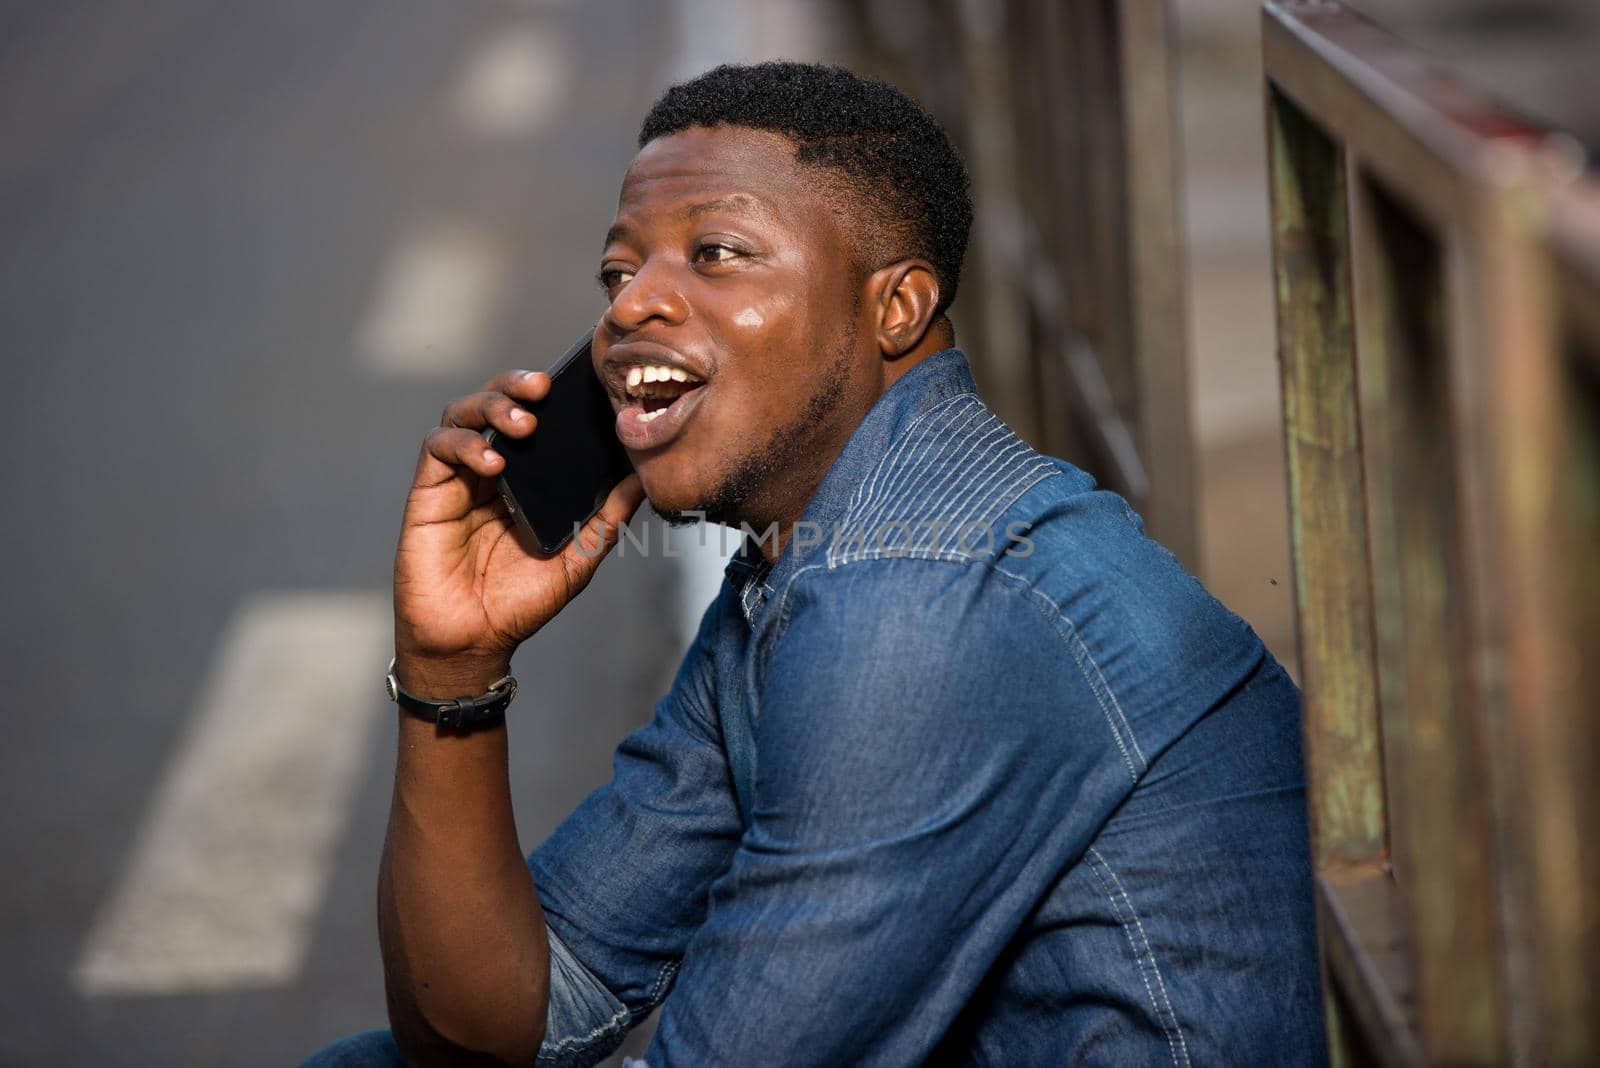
(768,313)
(768,332)
(765,335)
(759,322)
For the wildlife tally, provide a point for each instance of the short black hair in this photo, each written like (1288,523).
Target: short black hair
(906,178)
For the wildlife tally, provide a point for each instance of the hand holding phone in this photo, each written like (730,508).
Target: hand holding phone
(468,589)
(557,479)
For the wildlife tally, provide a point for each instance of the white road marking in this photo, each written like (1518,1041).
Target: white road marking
(513,84)
(437,301)
(233,858)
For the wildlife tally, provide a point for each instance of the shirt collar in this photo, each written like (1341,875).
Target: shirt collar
(937,378)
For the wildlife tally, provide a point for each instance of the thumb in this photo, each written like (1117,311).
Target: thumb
(601,532)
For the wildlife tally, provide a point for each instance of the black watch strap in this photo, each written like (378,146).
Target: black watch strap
(459,713)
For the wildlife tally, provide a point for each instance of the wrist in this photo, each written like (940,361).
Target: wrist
(441,678)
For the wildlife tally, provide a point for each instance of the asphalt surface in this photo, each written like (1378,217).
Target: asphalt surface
(197,201)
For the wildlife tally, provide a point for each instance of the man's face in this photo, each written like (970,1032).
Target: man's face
(727,266)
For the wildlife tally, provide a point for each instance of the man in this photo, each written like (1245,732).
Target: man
(960,768)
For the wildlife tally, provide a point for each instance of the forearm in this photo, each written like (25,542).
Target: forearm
(465,958)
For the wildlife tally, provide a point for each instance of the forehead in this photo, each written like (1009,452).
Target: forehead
(732,169)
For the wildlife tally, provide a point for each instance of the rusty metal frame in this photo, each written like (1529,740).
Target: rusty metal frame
(1157,266)
(1094,243)
(1548,472)
(1076,285)
(1418,327)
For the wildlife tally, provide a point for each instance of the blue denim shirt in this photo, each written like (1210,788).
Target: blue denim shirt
(976,773)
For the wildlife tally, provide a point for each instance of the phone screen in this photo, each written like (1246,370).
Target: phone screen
(558,477)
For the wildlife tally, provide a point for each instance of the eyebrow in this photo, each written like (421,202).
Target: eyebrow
(731,202)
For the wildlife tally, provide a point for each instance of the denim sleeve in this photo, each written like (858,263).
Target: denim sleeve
(921,727)
(623,880)
(584,1022)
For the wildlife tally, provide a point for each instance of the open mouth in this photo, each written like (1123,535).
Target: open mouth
(659,400)
(656,387)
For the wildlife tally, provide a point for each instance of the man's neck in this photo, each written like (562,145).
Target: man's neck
(774,527)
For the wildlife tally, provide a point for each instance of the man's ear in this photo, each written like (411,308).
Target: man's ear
(904,295)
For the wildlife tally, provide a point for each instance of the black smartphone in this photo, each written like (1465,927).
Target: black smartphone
(557,478)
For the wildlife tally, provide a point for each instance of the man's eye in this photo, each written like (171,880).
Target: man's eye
(715,253)
(611,277)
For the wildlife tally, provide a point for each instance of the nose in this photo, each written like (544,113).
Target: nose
(649,294)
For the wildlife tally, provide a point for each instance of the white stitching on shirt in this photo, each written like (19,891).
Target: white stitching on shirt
(657,993)
(1001,463)
(977,430)
(963,419)
(935,502)
(871,506)
(570,1042)
(1098,674)
(871,482)
(966,421)
(981,433)
(663,979)
(911,450)
(1169,1021)
(975,434)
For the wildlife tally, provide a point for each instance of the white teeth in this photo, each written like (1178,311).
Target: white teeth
(642,375)
(645,417)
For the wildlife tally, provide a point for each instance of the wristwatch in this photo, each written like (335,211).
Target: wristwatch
(461,713)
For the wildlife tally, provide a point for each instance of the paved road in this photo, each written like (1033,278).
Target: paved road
(246,252)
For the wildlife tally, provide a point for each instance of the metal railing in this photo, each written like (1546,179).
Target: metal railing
(1437,268)
(1073,304)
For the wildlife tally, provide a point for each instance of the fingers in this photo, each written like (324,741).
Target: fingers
(446,449)
(623,501)
(457,443)
(489,408)
(525,386)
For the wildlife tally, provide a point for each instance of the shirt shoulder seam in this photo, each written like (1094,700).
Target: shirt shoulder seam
(994,469)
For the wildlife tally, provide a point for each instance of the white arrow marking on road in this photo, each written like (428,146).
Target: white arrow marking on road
(230,866)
